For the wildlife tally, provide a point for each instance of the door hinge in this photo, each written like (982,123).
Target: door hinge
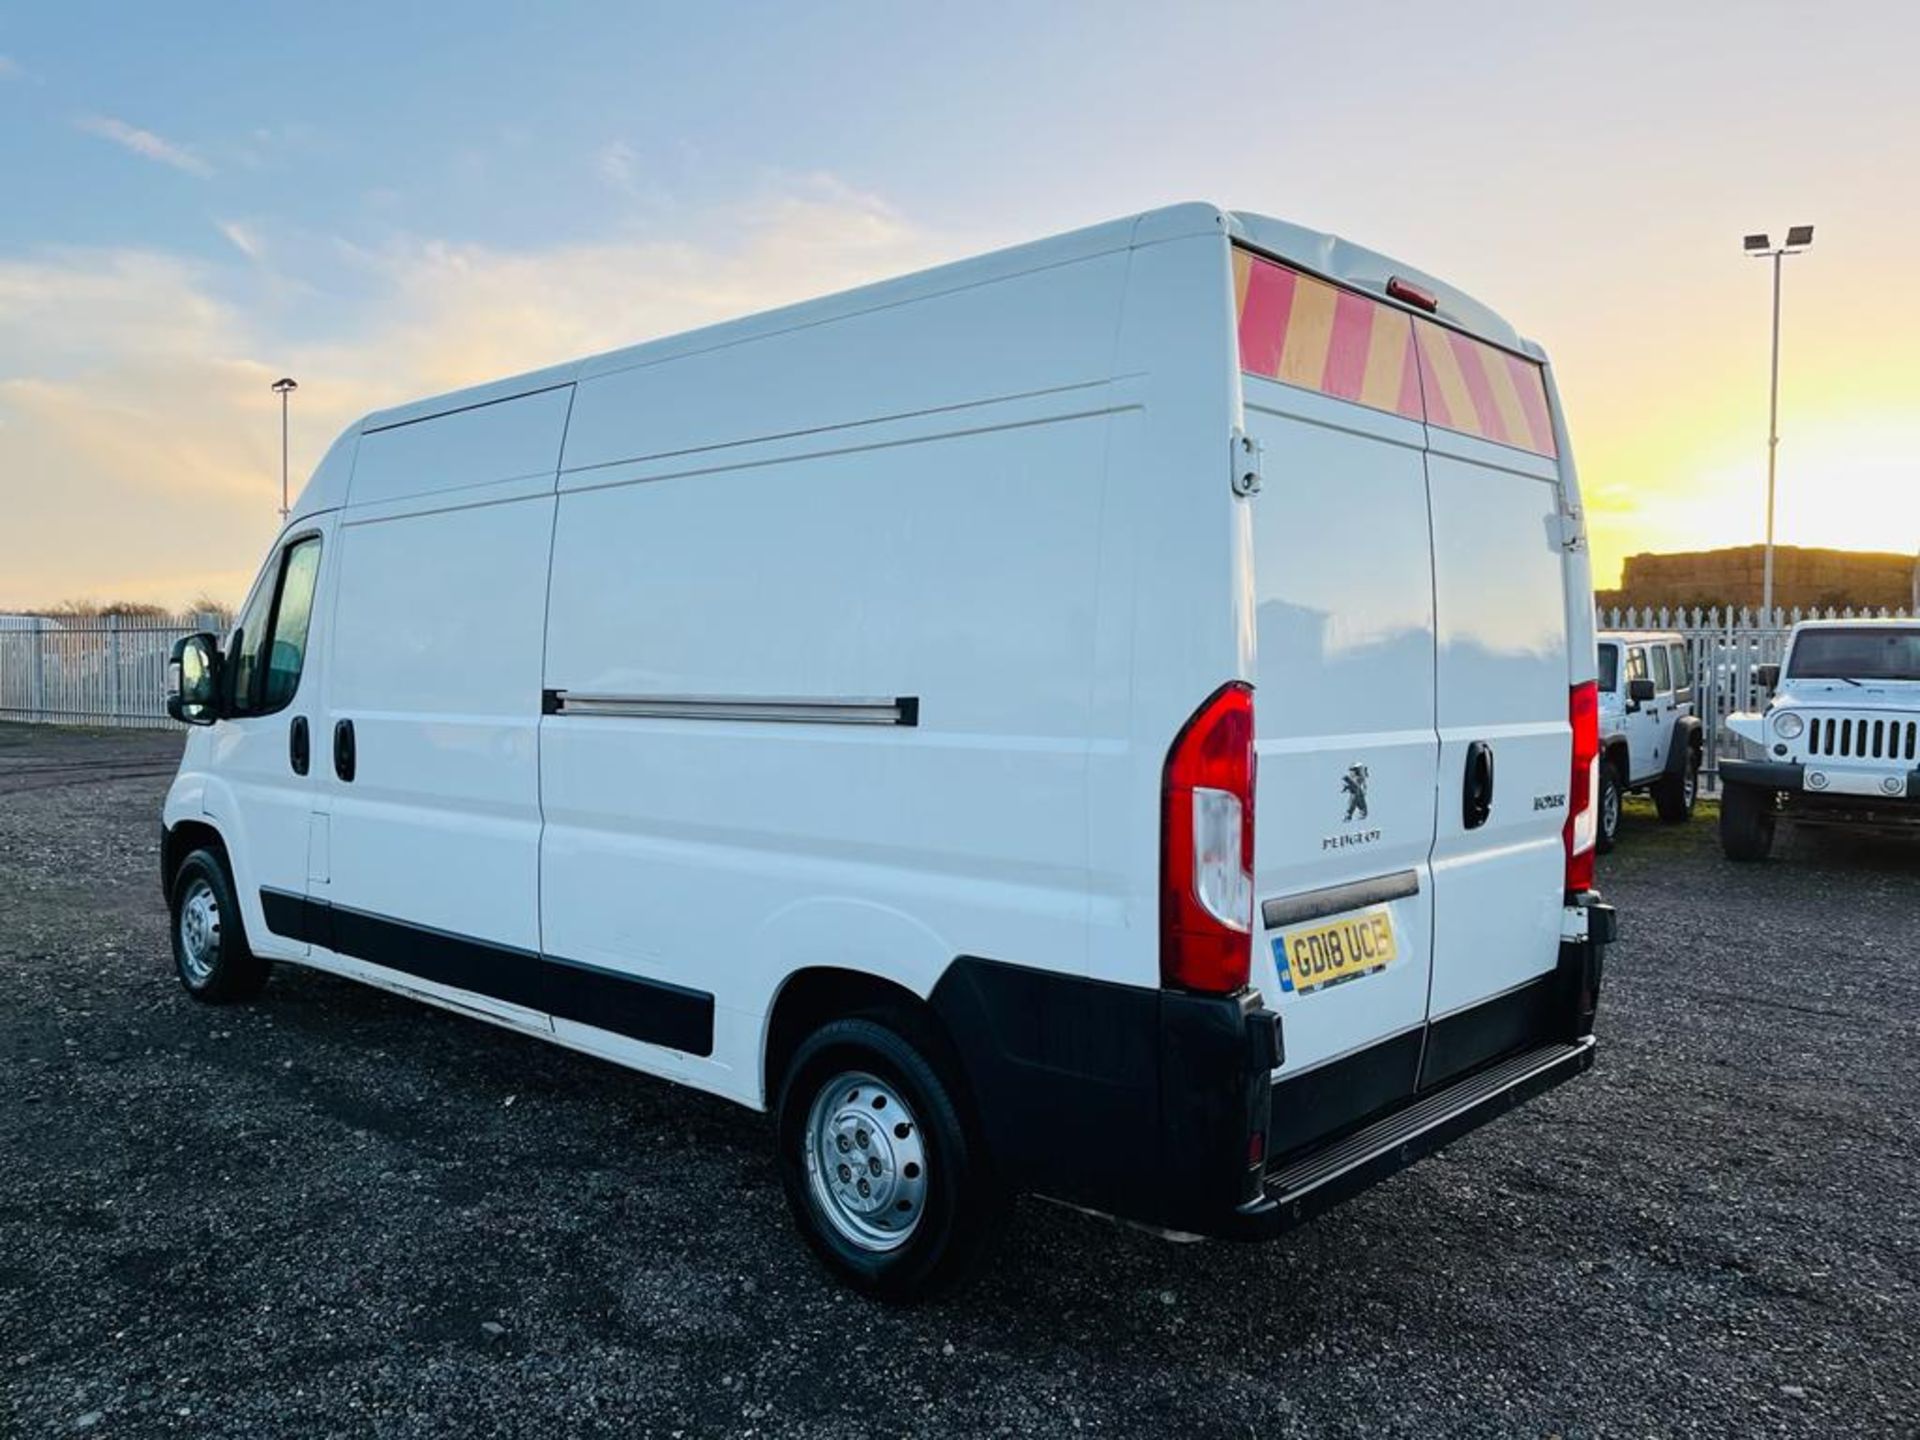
(1246,463)
(1573,530)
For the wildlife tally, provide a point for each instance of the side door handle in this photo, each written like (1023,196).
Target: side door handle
(298,747)
(1476,802)
(343,757)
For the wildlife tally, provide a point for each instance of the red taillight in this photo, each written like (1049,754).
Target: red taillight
(1206,848)
(1583,713)
(1409,293)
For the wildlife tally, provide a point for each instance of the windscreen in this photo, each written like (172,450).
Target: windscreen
(1863,654)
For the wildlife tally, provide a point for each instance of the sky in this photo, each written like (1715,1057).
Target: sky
(389,201)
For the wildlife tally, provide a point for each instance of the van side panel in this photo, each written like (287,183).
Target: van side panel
(937,567)
(1176,610)
(1029,333)
(501,441)
(436,664)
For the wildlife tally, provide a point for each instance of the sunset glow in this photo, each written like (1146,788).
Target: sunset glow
(360,200)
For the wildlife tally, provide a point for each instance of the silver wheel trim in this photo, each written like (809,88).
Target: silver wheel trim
(199,926)
(1610,807)
(866,1162)
(1690,787)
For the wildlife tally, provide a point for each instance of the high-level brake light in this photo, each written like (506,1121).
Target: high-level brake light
(1417,295)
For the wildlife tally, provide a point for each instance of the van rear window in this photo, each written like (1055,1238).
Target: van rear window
(1305,332)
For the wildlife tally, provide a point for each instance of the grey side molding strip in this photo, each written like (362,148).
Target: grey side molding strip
(1336,899)
(831,710)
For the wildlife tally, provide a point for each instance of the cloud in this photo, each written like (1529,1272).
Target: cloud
(9,68)
(144,143)
(139,441)
(242,237)
(616,163)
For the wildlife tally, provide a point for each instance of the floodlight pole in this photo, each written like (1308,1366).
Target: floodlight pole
(1773,442)
(283,387)
(1799,237)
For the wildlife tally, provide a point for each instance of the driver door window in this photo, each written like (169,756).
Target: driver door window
(269,649)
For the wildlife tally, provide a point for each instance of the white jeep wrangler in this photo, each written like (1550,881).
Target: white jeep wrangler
(1839,742)
(1650,738)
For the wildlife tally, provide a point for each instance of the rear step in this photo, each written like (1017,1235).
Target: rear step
(1312,1183)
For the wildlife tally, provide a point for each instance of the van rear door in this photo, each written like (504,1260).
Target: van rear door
(1500,565)
(1344,699)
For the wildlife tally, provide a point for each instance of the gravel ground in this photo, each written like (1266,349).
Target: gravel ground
(337,1212)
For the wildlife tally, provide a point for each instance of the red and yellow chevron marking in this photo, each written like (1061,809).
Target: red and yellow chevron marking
(1308,333)
(1479,389)
(1305,332)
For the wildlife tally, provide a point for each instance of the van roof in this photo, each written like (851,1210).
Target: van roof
(1642,637)
(1322,253)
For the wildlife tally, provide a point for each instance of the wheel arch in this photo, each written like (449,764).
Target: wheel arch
(180,840)
(1614,752)
(1689,741)
(811,997)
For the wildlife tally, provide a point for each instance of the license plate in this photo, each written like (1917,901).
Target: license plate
(1315,956)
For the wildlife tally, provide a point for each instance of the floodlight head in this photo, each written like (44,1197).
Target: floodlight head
(1757,242)
(284,384)
(1799,237)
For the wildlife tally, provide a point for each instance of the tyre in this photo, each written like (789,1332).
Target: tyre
(1673,795)
(210,951)
(1607,817)
(883,1170)
(1746,822)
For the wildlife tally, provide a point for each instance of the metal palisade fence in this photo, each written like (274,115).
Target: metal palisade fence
(90,669)
(1728,647)
(112,669)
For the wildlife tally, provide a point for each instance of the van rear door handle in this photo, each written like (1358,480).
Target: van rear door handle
(1477,800)
(343,757)
(298,748)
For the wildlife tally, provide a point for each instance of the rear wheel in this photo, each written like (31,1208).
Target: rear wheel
(1673,795)
(1746,822)
(1607,833)
(880,1167)
(210,952)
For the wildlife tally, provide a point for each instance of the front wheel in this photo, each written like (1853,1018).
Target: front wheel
(1673,795)
(1746,822)
(885,1177)
(210,952)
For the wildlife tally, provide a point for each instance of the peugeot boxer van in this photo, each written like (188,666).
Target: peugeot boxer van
(1112,720)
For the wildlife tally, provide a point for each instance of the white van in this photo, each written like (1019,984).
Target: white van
(855,710)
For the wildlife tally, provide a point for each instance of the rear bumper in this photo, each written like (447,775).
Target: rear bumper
(1161,1108)
(1299,1189)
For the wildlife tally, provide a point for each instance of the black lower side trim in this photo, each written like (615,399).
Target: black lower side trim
(654,1011)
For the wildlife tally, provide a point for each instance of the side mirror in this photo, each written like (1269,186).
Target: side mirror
(1767,677)
(1639,692)
(194,673)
